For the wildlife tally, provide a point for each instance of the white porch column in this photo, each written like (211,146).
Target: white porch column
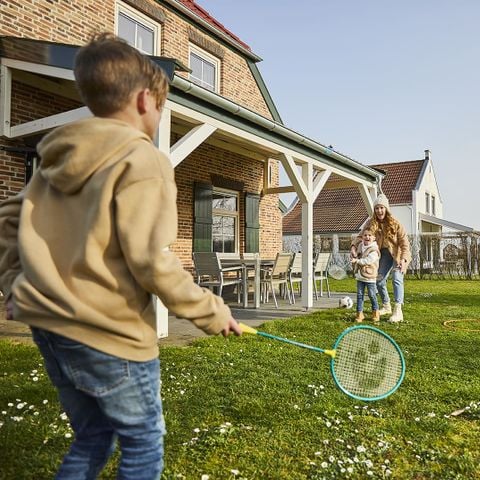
(163,144)
(307,238)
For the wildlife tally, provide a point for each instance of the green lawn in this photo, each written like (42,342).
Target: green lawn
(252,408)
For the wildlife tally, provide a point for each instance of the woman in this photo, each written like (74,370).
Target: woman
(394,255)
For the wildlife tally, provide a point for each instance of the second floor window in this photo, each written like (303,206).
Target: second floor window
(427,203)
(433,205)
(205,69)
(137,29)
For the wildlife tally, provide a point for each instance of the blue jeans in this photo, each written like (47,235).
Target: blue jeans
(386,267)
(106,398)
(372,294)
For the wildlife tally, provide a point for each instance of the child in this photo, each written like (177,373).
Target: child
(82,249)
(366,269)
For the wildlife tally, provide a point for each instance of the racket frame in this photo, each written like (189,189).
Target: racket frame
(389,338)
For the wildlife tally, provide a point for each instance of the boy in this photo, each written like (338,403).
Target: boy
(82,249)
(366,270)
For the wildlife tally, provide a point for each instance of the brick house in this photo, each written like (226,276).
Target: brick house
(220,126)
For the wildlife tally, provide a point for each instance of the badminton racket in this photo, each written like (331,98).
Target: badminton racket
(365,362)
(337,272)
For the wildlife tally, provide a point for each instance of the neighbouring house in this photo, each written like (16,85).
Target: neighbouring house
(220,125)
(415,200)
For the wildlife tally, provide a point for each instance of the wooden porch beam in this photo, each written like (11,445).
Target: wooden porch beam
(189,142)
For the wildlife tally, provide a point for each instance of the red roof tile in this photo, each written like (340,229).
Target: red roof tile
(342,210)
(400,180)
(202,13)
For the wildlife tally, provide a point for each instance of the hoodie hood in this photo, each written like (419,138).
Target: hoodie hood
(71,154)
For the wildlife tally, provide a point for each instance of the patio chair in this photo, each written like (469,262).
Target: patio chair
(320,266)
(277,276)
(295,273)
(210,273)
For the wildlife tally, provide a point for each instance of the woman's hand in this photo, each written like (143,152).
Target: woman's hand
(402,266)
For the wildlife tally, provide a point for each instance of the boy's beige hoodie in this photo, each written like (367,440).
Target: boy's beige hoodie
(92,227)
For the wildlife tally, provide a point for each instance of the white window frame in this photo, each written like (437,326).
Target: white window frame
(208,58)
(427,202)
(142,19)
(432,204)
(228,213)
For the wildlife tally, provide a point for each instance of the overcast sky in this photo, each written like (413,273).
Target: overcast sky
(380,80)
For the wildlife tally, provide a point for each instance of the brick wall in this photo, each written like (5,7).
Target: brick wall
(56,21)
(198,166)
(74,23)
(237,82)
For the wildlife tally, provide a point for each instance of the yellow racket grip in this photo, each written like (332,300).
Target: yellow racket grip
(331,353)
(246,329)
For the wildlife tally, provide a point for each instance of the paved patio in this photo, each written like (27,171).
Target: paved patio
(182,332)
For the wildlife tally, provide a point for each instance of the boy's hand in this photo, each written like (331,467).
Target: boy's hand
(232,326)
(354,260)
(353,252)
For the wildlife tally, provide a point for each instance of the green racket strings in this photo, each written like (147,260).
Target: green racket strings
(367,364)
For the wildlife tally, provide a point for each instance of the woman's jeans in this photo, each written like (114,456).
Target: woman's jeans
(106,398)
(372,294)
(386,267)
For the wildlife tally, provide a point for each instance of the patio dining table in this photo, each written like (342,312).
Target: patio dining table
(256,264)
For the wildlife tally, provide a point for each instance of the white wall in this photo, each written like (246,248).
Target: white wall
(429,185)
(403,214)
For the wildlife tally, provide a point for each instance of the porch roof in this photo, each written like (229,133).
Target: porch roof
(62,55)
(444,223)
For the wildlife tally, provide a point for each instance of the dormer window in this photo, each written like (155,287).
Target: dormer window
(205,69)
(137,29)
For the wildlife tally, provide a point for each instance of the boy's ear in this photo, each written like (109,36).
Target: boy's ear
(142,100)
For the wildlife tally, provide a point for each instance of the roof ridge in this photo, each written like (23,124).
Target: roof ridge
(208,17)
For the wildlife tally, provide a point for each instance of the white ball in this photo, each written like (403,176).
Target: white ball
(345,302)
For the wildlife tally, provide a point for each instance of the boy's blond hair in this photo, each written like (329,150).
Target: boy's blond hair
(108,71)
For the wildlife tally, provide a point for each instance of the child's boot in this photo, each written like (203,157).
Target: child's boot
(359,317)
(386,309)
(376,316)
(397,315)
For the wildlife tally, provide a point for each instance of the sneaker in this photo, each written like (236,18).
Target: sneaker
(359,317)
(386,309)
(397,315)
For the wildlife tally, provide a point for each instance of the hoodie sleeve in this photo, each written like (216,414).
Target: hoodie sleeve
(10,266)
(146,217)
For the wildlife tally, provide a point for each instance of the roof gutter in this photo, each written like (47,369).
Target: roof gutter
(179,6)
(232,107)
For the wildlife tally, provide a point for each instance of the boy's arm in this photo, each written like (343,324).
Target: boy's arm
(146,218)
(10,266)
